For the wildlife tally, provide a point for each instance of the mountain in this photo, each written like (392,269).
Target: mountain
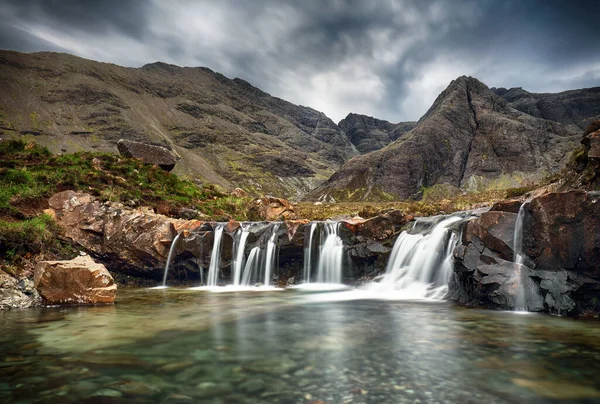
(368,134)
(471,138)
(574,107)
(225,131)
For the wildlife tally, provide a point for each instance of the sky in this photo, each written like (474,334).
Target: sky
(388,59)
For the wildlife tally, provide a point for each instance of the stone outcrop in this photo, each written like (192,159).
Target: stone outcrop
(561,266)
(149,154)
(17,293)
(134,241)
(272,209)
(78,281)
(470,138)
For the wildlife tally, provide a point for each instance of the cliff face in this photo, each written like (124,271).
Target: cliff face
(470,138)
(225,131)
(368,134)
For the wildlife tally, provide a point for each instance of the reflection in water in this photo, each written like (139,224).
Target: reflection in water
(242,347)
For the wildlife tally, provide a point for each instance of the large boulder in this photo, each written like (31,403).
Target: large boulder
(132,241)
(272,209)
(149,154)
(78,281)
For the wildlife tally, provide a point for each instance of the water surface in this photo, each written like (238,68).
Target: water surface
(183,346)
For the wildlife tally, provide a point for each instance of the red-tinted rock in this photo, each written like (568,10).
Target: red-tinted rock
(78,281)
(272,209)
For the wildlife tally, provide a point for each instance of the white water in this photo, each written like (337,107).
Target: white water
(238,258)
(215,257)
(252,263)
(331,254)
(420,265)
(308,253)
(519,269)
(169,258)
(270,255)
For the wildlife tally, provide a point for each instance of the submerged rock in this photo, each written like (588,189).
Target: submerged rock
(78,281)
(17,294)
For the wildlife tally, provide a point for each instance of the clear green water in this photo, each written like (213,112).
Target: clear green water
(177,346)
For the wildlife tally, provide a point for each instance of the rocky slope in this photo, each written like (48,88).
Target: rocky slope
(224,130)
(368,134)
(575,107)
(470,138)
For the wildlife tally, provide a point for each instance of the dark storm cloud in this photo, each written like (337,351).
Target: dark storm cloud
(388,58)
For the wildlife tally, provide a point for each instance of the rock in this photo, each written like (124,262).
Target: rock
(78,281)
(495,230)
(561,242)
(272,209)
(17,294)
(239,193)
(507,205)
(149,154)
(132,241)
(593,143)
(252,386)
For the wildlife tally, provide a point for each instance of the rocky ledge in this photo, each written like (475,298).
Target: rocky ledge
(136,242)
(560,270)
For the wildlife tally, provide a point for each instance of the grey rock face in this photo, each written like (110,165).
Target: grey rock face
(17,294)
(469,138)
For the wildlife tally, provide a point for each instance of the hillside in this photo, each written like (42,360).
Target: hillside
(470,139)
(225,131)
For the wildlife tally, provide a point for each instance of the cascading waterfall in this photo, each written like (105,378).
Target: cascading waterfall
(308,251)
(420,265)
(215,257)
(519,269)
(252,263)
(331,254)
(239,246)
(271,255)
(169,258)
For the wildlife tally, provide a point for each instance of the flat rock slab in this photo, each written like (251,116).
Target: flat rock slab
(78,281)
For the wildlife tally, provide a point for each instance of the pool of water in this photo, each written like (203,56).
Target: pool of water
(180,346)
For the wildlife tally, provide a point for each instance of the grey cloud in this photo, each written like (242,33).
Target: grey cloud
(384,58)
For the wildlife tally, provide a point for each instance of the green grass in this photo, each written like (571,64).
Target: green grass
(26,238)
(30,173)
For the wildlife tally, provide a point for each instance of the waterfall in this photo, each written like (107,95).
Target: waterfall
(308,254)
(252,263)
(271,255)
(238,253)
(215,257)
(519,269)
(420,265)
(331,253)
(169,258)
